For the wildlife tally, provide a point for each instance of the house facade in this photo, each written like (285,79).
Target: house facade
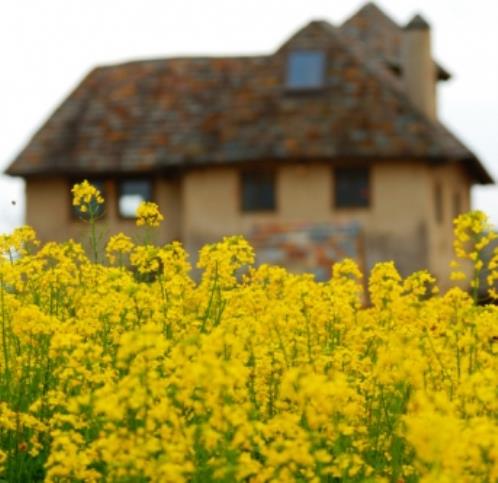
(333,137)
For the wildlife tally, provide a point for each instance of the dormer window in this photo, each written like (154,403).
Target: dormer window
(306,69)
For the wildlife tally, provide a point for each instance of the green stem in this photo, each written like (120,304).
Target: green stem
(93,238)
(4,330)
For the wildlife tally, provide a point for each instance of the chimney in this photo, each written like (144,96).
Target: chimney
(418,69)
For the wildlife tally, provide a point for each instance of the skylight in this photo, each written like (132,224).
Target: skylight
(306,69)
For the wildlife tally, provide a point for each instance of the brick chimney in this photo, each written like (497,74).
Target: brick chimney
(418,69)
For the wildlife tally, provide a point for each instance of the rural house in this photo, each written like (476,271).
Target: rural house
(329,146)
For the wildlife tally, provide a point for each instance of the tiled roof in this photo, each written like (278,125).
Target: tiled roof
(173,113)
(381,36)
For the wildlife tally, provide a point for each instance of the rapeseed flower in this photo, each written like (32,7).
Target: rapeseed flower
(117,247)
(140,372)
(86,197)
(148,214)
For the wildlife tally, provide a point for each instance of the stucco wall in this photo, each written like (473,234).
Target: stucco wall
(169,198)
(48,210)
(452,180)
(204,205)
(47,207)
(394,226)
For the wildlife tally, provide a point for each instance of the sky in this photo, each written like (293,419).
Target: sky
(48,46)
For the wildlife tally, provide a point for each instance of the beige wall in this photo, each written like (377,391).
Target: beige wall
(204,205)
(48,210)
(168,196)
(452,180)
(394,226)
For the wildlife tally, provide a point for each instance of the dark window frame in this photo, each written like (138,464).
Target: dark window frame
(119,193)
(245,202)
(294,86)
(350,201)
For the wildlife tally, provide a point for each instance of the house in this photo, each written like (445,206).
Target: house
(332,137)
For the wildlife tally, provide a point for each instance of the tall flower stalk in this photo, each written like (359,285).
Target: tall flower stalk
(89,202)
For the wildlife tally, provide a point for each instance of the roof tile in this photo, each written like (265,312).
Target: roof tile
(159,114)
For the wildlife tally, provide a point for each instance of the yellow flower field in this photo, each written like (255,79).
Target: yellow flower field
(125,369)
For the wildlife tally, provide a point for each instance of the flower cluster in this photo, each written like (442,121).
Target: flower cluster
(148,214)
(118,247)
(86,197)
(134,370)
(473,236)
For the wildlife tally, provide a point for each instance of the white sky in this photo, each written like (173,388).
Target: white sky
(47,46)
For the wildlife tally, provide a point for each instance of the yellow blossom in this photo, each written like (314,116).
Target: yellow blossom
(148,214)
(240,372)
(86,197)
(117,246)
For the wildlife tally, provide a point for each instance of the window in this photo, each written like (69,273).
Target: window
(99,209)
(131,193)
(306,69)
(258,191)
(352,187)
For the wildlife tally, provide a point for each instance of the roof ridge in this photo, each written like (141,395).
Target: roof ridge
(318,22)
(356,49)
(371,25)
(373,7)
